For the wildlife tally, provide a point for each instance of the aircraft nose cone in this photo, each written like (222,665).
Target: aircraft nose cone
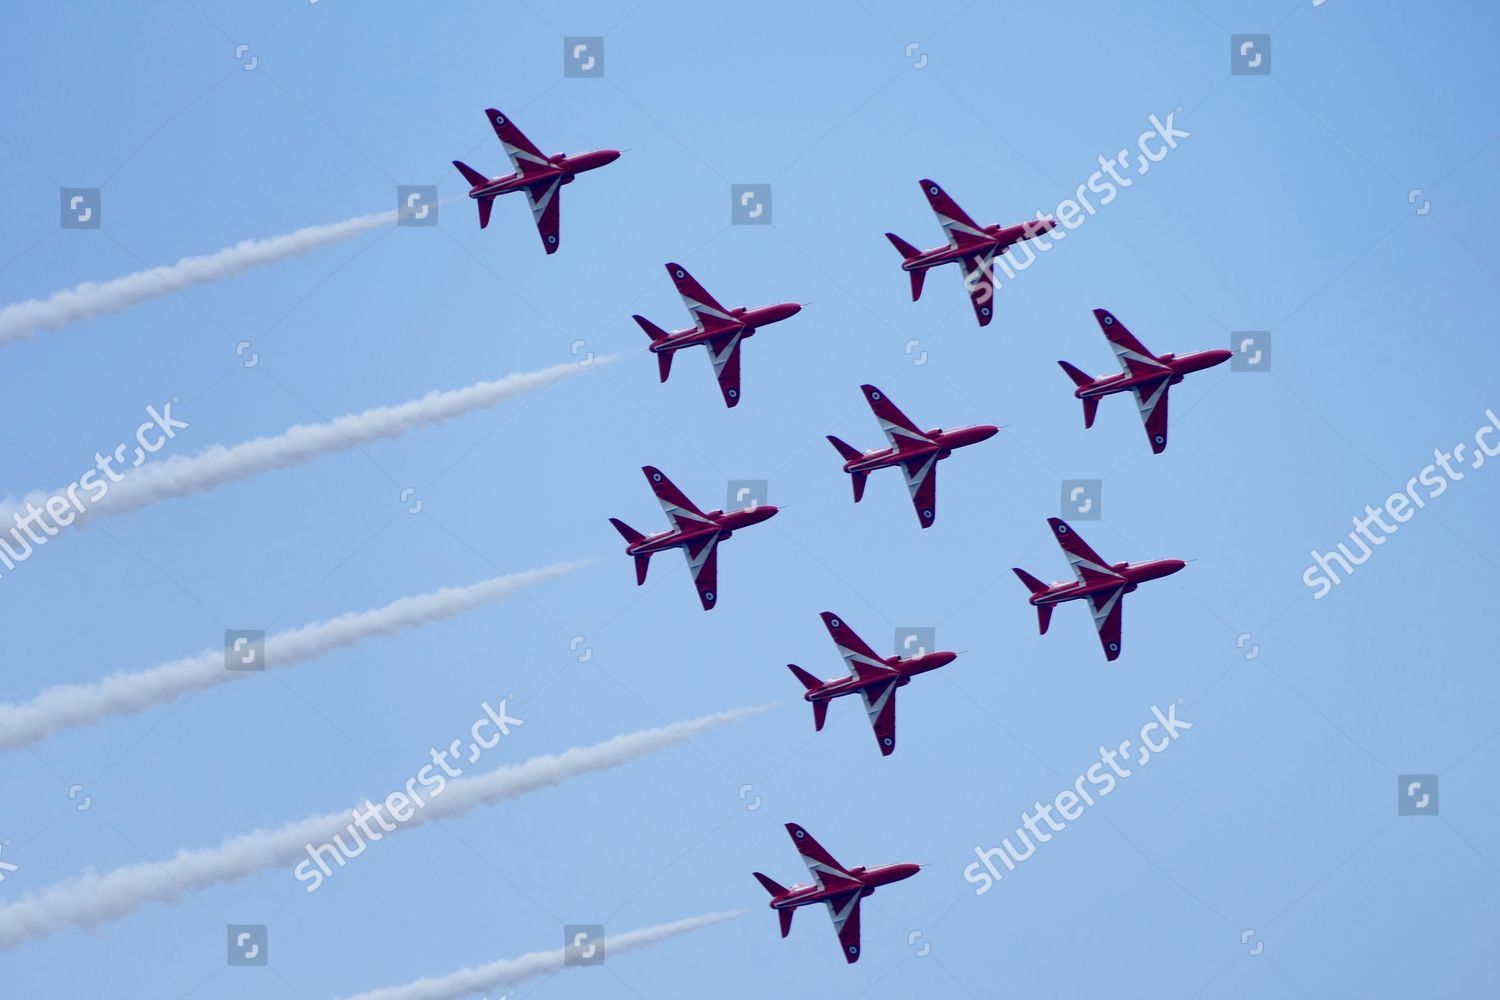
(1170,566)
(608,156)
(765,512)
(1219,357)
(941,659)
(904,871)
(985,431)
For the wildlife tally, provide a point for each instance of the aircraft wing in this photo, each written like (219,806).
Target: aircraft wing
(679,509)
(861,660)
(707,314)
(961,230)
(524,156)
(880,706)
(827,872)
(845,913)
(724,352)
(921,482)
(1151,400)
(979,279)
(546,201)
(1086,563)
(899,431)
(703,563)
(1132,355)
(1107,609)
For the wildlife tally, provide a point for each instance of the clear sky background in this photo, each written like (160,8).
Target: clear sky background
(1287,210)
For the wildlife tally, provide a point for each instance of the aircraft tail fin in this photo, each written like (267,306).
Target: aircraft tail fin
(808,680)
(657,334)
(786,921)
(485,204)
(652,330)
(474,177)
(1090,411)
(1078,377)
(905,249)
(916,284)
(859,484)
(848,451)
(1043,617)
(1032,583)
(771,885)
(820,715)
(628,533)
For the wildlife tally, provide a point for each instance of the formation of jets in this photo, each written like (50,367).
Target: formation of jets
(721,331)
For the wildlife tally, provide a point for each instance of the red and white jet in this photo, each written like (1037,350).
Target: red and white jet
(697,534)
(1148,376)
(716,328)
(540,176)
(839,888)
(917,453)
(1104,586)
(875,678)
(972,246)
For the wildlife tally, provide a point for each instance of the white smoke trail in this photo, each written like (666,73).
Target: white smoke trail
(20,320)
(89,899)
(211,468)
(510,971)
(126,693)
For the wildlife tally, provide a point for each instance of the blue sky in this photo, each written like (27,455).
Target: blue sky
(1288,209)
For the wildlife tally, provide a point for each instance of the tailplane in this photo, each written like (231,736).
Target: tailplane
(907,252)
(777,889)
(1032,583)
(1078,377)
(474,177)
(657,335)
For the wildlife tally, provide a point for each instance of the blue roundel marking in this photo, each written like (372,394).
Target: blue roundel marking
(875,396)
(927,514)
(551,239)
(1159,439)
(801,834)
(708,595)
(656,477)
(499,119)
(933,190)
(1062,529)
(854,949)
(984,310)
(681,273)
(835,623)
(888,741)
(1114,647)
(733,393)
(1109,321)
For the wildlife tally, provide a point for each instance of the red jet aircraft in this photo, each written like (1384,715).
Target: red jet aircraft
(1148,376)
(716,328)
(875,678)
(1103,585)
(538,175)
(916,452)
(839,887)
(971,246)
(696,533)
